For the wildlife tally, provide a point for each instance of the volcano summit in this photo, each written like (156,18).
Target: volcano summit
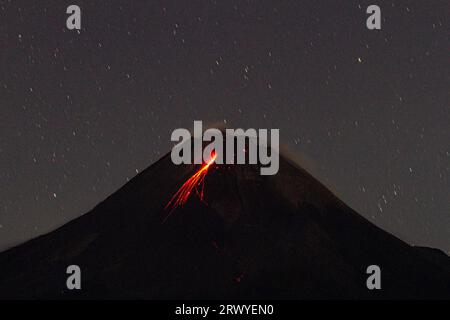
(247,236)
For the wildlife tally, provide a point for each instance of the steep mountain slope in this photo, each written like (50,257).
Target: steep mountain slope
(252,236)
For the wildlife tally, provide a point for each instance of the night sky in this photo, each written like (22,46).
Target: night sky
(83,112)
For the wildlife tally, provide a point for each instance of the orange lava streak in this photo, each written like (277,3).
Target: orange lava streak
(182,195)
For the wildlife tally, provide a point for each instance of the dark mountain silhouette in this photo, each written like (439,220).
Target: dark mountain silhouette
(272,237)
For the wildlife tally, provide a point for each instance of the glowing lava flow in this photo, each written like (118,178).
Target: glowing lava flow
(182,195)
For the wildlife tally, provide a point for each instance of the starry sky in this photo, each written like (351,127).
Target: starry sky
(82,112)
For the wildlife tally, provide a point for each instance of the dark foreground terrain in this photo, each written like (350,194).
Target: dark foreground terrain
(272,237)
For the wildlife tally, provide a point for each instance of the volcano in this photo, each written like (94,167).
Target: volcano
(247,237)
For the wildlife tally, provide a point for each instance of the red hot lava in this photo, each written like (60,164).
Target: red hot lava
(193,183)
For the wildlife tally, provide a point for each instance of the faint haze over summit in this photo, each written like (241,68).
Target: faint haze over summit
(83,112)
